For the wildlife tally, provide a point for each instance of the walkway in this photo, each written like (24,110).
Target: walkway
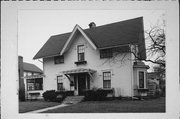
(48,108)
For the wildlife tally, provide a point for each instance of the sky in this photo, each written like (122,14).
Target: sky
(36,26)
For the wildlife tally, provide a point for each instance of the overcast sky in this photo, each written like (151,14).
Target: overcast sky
(36,26)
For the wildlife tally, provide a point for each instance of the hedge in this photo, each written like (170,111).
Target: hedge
(56,96)
(96,95)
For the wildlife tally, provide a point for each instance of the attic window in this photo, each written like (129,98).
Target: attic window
(106,53)
(58,59)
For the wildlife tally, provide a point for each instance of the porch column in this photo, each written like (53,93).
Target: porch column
(86,82)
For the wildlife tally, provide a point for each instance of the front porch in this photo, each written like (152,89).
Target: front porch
(80,79)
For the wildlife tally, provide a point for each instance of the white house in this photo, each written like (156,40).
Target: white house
(97,57)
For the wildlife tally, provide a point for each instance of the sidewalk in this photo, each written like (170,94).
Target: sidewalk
(49,108)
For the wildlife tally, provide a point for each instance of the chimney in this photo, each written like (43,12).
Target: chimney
(92,25)
(21,79)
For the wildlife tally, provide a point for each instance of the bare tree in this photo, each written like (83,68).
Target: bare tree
(155,46)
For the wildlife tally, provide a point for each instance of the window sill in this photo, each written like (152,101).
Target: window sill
(80,62)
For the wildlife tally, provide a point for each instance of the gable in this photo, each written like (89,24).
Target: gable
(101,37)
(77,29)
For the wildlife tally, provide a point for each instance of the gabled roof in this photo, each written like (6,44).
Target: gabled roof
(31,68)
(76,29)
(105,36)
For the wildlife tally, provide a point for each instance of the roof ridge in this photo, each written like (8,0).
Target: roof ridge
(115,23)
(117,33)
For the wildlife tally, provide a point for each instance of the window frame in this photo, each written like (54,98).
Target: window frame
(60,59)
(138,79)
(60,82)
(110,78)
(80,52)
(33,83)
(106,53)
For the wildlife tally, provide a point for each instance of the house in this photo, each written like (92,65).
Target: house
(31,80)
(97,57)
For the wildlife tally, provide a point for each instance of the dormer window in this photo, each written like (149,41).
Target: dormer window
(58,59)
(81,51)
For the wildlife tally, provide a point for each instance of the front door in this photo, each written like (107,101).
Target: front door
(81,83)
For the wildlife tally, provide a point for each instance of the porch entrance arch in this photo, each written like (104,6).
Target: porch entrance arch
(81,79)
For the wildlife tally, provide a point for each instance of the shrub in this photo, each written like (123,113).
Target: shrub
(50,95)
(96,94)
(56,96)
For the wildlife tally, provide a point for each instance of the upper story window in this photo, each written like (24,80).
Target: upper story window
(142,79)
(107,79)
(81,52)
(106,53)
(58,59)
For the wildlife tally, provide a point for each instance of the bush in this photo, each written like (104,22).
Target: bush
(50,95)
(96,95)
(56,96)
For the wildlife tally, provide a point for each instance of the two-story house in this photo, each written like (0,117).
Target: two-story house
(97,57)
(31,80)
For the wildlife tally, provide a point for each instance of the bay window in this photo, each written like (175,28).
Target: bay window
(142,79)
(34,84)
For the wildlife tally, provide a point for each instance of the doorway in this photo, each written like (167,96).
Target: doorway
(81,83)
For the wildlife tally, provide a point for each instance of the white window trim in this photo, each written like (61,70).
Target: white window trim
(145,86)
(107,70)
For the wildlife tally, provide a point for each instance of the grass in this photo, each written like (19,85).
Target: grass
(34,105)
(115,106)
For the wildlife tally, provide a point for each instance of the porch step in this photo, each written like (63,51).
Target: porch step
(73,99)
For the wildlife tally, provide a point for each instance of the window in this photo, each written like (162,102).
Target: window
(34,84)
(80,50)
(106,53)
(36,73)
(106,79)
(58,59)
(141,79)
(60,86)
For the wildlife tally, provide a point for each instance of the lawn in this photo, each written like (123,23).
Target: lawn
(115,106)
(34,105)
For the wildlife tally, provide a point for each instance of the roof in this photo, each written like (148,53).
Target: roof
(140,64)
(31,68)
(79,70)
(109,35)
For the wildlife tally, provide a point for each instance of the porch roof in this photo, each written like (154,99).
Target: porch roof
(34,76)
(79,70)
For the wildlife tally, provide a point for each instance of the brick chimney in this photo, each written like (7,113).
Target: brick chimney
(21,79)
(92,25)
